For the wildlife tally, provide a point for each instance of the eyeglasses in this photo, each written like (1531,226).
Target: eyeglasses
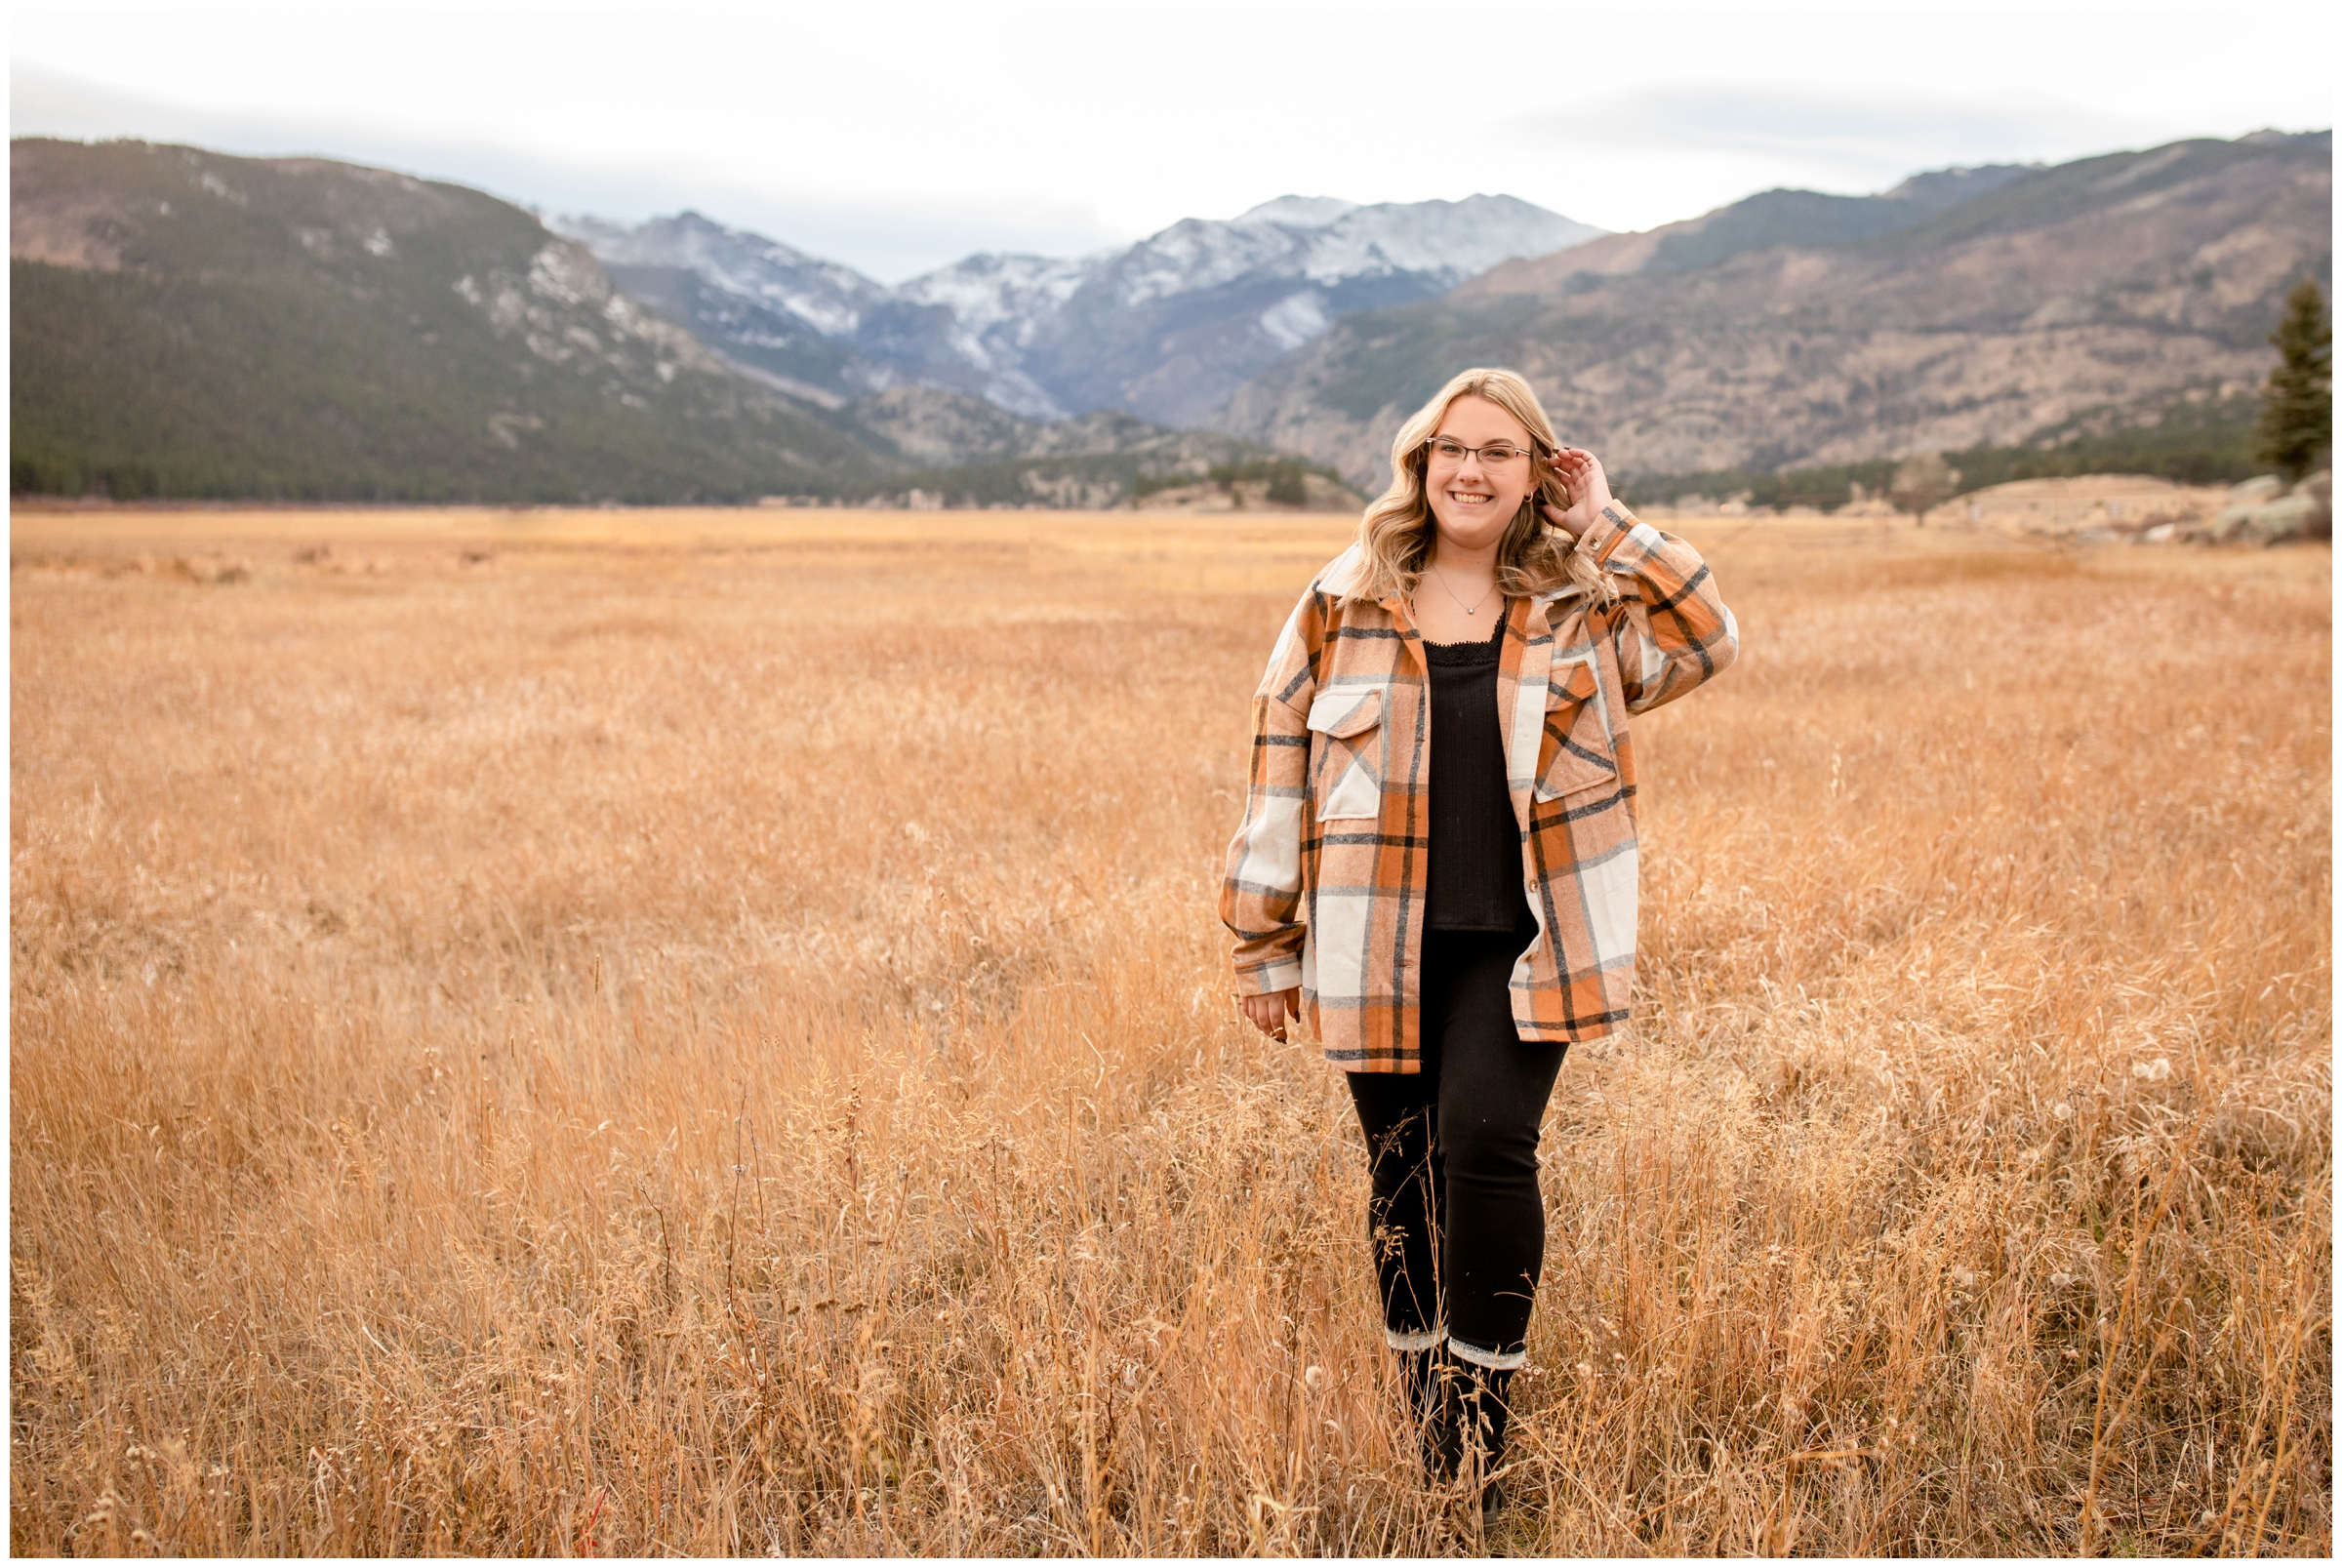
(1450,454)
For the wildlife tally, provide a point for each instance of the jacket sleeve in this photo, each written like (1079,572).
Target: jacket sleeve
(1671,631)
(1259,902)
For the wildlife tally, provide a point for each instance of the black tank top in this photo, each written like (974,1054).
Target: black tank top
(1476,844)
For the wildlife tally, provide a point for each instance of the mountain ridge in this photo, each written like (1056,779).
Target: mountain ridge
(1164,328)
(195,324)
(1781,216)
(2115,282)
(191,324)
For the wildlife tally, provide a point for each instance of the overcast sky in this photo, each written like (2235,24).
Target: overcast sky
(897,139)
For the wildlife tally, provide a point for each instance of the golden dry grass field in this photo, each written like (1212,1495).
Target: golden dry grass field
(690,1032)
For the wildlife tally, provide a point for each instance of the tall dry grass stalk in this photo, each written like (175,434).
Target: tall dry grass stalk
(654,1047)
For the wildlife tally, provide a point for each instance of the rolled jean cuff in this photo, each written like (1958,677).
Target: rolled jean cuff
(1493,1360)
(1413,1339)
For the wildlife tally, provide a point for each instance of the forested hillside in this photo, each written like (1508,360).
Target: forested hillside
(192,325)
(2099,300)
(189,325)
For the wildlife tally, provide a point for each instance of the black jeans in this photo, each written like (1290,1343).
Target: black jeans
(1456,1219)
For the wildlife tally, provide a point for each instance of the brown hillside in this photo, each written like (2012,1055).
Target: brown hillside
(2123,282)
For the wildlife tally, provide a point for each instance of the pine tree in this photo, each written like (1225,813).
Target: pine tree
(2297,415)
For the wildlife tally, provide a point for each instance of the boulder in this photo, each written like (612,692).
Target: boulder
(2263,511)
(2254,490)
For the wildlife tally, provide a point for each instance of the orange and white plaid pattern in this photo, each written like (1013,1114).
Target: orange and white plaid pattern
(1326,878)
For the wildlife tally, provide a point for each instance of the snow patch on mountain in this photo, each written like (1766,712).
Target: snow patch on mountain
(829,298)
(988,290)
(1023,396)
(1296,318)
(1298,212)
(1449,240)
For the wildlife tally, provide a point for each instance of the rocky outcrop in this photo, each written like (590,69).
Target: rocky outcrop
(2265,510)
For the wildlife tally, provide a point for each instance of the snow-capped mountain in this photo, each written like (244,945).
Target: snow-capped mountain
(1170,327)
(968,325)
(829,298)
(1165,329)
(1329,242)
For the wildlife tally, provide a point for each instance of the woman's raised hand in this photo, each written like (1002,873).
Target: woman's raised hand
(1269,1011)
(1581,474)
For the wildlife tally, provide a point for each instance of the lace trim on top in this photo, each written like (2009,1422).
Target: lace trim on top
(1484,651)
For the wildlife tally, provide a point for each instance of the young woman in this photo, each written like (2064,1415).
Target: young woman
(1437,860)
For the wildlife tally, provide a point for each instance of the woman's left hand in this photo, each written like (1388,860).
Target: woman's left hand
(1581,474)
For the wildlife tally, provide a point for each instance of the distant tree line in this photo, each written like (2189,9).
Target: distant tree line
(42,468)
(1112,478)
(1287,479)
(1825,488)
(1008,482)
(2209,443)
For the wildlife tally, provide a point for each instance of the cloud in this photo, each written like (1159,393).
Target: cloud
(1840,138)
(891,234)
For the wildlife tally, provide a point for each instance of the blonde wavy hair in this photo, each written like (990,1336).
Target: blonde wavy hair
(1396,532)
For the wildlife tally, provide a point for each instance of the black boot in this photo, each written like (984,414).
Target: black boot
(1419,1378)
(1479,1430)
(1430,1379)
(1443,1428)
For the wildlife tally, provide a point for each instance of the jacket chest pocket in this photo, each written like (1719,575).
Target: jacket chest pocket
(1575,753)
(1346,751)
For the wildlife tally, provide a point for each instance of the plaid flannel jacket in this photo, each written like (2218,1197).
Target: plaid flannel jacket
(1326,877)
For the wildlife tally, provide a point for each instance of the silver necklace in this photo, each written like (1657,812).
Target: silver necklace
(1471,609)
